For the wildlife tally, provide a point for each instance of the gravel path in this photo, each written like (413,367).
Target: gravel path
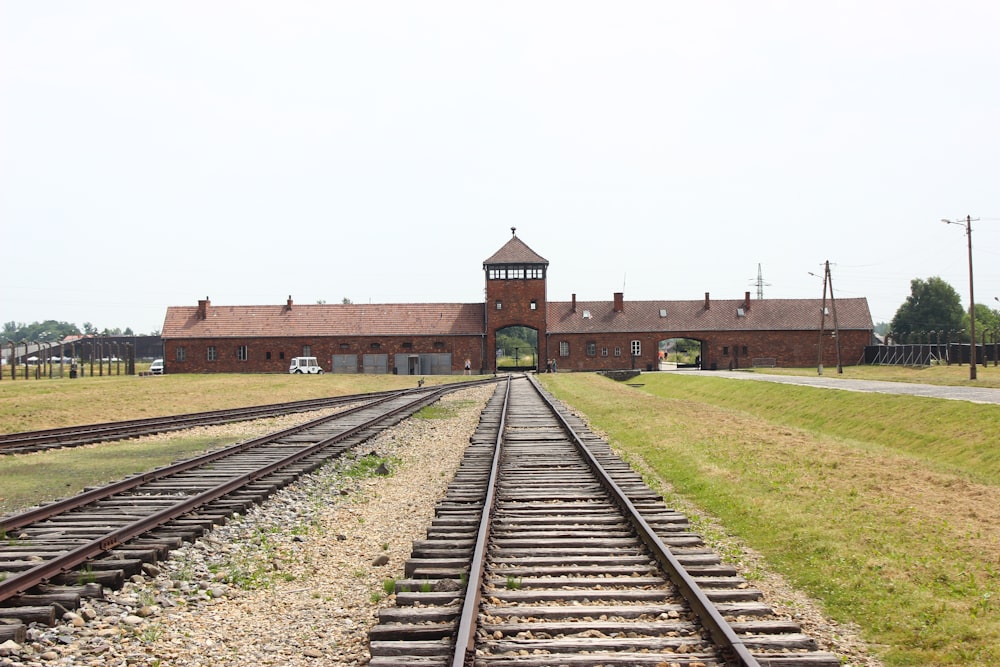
(299,580)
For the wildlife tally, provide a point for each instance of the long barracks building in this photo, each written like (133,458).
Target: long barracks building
(438,338)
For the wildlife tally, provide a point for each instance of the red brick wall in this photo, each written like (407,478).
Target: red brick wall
(723,349)
(515,297)
(196,361)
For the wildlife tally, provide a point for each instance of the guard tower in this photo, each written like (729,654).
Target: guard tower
(515,294)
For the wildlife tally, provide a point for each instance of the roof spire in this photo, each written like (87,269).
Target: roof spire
(513,231)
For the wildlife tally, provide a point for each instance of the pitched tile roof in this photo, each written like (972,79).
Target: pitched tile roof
(398,319)
(516,251)
(763,315)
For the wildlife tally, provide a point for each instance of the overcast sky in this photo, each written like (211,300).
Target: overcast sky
(155,153)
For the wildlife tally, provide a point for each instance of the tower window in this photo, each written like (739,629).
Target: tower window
(499,304)
(534,304)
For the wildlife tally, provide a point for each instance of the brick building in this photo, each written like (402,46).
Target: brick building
(438,338)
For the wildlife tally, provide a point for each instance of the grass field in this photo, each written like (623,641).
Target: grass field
(986,376)
(28,405)
(885,509)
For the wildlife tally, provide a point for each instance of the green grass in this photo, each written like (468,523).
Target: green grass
(885,509)
(953,375)
(37,404)
(44,476)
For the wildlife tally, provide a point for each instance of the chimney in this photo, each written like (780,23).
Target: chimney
(203,305)
(707,304)
(574,303)
(288,305)
(746,301)
(619,302)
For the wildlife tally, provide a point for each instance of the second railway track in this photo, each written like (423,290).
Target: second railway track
(52,554)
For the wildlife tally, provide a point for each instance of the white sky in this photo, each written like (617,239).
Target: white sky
(155,153)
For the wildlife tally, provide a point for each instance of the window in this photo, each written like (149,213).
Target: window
(744,350)
(307,351)
(534,304)
(375,346)
(407,345)
(210,353)
(725,350)
(604,351)
(242,353)
(637,348)
(267,355)
(591,349)
(438,345)
(281,355)
(499,304)
(563,348)
(345,346)
(181,353)
(618,351)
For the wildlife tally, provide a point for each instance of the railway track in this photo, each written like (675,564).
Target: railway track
(72,436)
(574,562)
(55,554)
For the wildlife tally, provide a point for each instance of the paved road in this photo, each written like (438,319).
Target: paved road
(972,394)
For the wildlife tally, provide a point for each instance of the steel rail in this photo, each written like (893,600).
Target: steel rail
(465,636)
(43,512)
(99,432)
(735,651)
(24,581)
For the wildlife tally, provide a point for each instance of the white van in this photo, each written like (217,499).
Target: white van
(305,365)
(156,368)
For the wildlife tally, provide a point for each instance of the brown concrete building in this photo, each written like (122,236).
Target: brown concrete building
(438,338)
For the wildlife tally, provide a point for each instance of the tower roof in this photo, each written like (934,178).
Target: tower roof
(516,251)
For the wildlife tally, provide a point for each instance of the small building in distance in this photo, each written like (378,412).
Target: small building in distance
(438,338)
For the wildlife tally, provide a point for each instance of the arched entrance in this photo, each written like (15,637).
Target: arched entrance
(680,353)
(517,348)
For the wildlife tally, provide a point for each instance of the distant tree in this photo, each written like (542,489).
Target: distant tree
(933,305)
(987,320)
(881,328)
(346,301)
(89,329)
(128,332)
(320,301)
(49,331)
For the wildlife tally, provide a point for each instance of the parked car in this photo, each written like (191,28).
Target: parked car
(156,368)
(305,365)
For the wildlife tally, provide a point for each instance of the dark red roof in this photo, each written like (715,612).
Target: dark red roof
(722,315)
(417,319)
(516,251)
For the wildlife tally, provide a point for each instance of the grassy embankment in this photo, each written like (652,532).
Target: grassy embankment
(884,508)
(37,404)
(955,375)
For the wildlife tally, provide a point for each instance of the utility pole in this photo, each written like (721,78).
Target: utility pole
(972,298)
(760,283)
(828,280)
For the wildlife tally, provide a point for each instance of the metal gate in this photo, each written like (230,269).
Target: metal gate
(375,363)
(423,364)
(345,363)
